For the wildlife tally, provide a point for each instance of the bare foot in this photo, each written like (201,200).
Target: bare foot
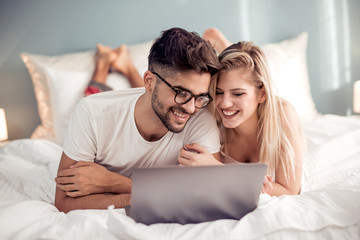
(217,39)
(124,65)
(105,53)
(104,59)
(123,62)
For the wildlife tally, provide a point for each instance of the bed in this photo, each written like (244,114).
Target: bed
(327,208)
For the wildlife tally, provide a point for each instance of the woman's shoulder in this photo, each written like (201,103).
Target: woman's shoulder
(284,103)
(288,109)
(290,117)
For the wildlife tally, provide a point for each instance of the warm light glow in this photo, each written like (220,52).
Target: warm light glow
(357,96)
(3,127)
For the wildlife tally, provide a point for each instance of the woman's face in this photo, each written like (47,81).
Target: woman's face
(237,99)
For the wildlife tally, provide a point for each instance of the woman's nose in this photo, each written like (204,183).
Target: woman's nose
(224,101)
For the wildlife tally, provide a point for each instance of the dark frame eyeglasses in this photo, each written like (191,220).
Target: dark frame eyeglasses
(183,96)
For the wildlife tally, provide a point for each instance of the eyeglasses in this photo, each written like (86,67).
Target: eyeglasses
(183,96)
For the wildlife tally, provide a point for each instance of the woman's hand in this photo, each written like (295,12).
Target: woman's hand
(267,185)
(196,155)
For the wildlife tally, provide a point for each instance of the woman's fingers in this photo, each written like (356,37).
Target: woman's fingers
(185,161)
(267,185)
(196,147)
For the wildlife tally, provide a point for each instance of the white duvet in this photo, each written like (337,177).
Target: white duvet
(328,207)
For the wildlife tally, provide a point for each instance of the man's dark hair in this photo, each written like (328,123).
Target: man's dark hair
(179,50)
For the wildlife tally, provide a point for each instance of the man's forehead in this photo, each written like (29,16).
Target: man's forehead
(197,83)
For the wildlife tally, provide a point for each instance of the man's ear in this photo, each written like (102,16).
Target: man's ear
(261,95)
(149,81)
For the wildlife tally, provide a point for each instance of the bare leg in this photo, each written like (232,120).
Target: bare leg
(217,39)
(104,59)
(124,65)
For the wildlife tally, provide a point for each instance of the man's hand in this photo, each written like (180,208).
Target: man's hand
(84,178)
(81,185)
(196,155)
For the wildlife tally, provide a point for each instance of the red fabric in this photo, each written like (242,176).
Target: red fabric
(91,90)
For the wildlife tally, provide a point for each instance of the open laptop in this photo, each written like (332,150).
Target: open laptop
(195,194)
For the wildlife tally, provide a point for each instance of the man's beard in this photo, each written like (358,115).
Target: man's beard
(164,115)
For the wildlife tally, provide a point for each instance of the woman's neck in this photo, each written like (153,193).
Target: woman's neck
(249,128)
(241,143)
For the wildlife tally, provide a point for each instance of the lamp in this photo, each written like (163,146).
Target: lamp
(357,96)
(3,127)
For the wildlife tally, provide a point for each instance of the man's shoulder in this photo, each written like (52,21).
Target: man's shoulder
(203,117)
(202,129)
(203,114)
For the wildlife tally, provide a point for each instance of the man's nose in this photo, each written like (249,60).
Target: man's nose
(190,106)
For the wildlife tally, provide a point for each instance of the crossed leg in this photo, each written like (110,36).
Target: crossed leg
(117,59)
(104,58)
(123,64)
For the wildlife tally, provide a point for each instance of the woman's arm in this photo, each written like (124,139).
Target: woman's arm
(294,132)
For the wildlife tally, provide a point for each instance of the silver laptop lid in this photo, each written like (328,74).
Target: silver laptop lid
(195,194)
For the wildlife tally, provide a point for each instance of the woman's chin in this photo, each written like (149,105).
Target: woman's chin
(228,124)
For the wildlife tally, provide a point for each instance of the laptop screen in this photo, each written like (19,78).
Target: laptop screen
(195,194)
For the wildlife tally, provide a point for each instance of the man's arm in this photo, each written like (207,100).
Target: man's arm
(83,186)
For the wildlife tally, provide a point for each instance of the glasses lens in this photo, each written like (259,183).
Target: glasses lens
(202,101)
(182,97)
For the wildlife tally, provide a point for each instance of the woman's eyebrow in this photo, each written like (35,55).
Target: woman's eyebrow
(236,89)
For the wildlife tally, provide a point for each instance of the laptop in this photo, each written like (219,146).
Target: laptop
(195,194)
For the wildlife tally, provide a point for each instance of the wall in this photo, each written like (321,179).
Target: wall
(55,27)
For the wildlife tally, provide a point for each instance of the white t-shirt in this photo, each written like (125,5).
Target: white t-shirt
(102,129)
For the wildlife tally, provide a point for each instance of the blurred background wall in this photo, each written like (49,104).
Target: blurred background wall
(57,27)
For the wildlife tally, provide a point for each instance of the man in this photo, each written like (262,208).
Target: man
(112,133)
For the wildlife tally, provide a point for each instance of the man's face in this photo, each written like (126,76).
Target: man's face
(175,116)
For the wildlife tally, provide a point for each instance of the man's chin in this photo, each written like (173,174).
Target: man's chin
(176,129)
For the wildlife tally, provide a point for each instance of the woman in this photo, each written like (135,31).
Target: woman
(256,125)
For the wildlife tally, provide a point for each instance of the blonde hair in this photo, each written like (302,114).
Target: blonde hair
(275,148)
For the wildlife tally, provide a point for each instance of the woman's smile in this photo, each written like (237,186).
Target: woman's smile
(229,113)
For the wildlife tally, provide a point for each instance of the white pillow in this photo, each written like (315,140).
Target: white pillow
(59,82)
(288,68)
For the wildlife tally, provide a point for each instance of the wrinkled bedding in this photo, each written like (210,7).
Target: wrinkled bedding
(327,208)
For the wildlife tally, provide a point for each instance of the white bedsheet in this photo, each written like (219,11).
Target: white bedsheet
(328,207)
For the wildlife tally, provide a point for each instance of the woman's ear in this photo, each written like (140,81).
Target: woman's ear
(149,81)
(261,95)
